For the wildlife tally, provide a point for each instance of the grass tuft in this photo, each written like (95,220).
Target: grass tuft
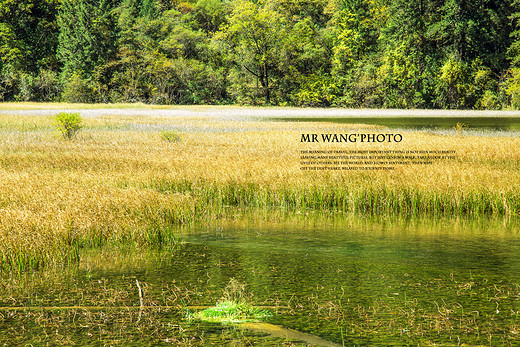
(170,136)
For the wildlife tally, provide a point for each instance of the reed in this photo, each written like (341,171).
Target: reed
(119,182)
(350,197)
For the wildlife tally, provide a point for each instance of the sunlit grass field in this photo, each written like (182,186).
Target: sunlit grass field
(121,182)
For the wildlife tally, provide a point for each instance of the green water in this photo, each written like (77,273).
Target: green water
(360,265)
(345,279)
(487,123)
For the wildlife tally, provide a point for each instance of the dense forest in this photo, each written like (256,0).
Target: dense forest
(347,53)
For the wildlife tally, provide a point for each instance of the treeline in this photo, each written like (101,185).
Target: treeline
(349,53)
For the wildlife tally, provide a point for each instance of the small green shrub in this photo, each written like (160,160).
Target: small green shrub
(68,124)
(170,136)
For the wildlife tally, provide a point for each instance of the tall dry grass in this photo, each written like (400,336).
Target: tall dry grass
(120,183)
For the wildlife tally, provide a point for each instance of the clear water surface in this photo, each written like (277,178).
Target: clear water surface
(329,271)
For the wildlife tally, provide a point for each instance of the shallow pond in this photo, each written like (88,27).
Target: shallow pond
(345,279)
(340,271)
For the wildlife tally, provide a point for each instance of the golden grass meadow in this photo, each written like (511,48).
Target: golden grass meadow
(120,182)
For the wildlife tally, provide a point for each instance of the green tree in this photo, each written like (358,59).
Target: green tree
(514,48)
(11,49)
(471,38)
(468,30)
(28,36)
(354,32)
(28,42)
(87,35)
(210,14)
(512,83)
(255,37)
(408,57)
(149,9)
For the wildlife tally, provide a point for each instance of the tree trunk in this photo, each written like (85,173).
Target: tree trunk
(266,86)
(267,93)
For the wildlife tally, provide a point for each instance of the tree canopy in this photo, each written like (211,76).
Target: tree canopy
(345,53)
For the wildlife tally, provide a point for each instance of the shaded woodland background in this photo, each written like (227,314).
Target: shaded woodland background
(453,54)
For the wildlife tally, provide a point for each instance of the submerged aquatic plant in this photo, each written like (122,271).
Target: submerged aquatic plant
(232,312)
(234,307)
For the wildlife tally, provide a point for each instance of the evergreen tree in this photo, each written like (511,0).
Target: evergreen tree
(87,35)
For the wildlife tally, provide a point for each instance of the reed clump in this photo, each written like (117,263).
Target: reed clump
(118,182)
